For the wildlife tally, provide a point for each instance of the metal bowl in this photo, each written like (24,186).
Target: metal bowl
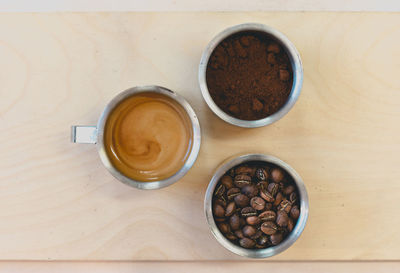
(256,253)
(295,61)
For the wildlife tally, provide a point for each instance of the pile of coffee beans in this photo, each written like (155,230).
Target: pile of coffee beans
(256,205)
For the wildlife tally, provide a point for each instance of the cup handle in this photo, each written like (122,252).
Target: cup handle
(84,134)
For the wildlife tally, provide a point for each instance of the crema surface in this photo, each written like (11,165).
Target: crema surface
(148,137)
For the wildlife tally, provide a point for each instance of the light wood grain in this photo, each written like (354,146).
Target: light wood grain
(194,267)
(195,5)
(57,202)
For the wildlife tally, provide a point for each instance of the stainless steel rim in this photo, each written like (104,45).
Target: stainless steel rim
(256,253)
(193,153)
(295,60)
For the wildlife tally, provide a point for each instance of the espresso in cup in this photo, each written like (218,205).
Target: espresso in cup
(148,137)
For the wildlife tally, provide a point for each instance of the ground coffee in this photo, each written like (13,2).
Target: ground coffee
(249,75)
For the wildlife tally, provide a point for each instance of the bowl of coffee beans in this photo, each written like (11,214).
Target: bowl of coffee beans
(256,205)
(250,75)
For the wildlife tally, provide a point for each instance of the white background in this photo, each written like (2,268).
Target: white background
(199,5)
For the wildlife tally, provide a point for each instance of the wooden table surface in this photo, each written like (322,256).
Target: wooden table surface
(204,266)
(57,202)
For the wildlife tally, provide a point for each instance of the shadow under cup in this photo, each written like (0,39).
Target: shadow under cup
(148,137)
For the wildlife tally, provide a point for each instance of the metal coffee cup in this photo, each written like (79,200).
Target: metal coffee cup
(95,135)
(266,252)
(295,61)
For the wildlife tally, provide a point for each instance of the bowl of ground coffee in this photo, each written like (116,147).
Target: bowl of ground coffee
(250,75)
(256,205)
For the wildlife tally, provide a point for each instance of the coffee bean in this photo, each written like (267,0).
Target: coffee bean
(253,220)
(250,190)
(256,235)
(262,240)
(262,186)
(289,189)
(282,218)
(241,200)
(227,181)
(220,201)
(234,222)
(293,197)
(249,231)
(257,203)
(285,205)
(261,174)
(267,196)
(267,215)
(268,206)
(232,193)
(273,189)
(219,211)
(224,227)
(242,180)
(219,220)
(242,222)
(243,170)
(253,171)
(278,199)
(220,190)
(231,236)
(239,234)
(277,175)
(269,228)
(230,209)
(248,211)
(290,225)
(295,212)
(276,238)
(247,243)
